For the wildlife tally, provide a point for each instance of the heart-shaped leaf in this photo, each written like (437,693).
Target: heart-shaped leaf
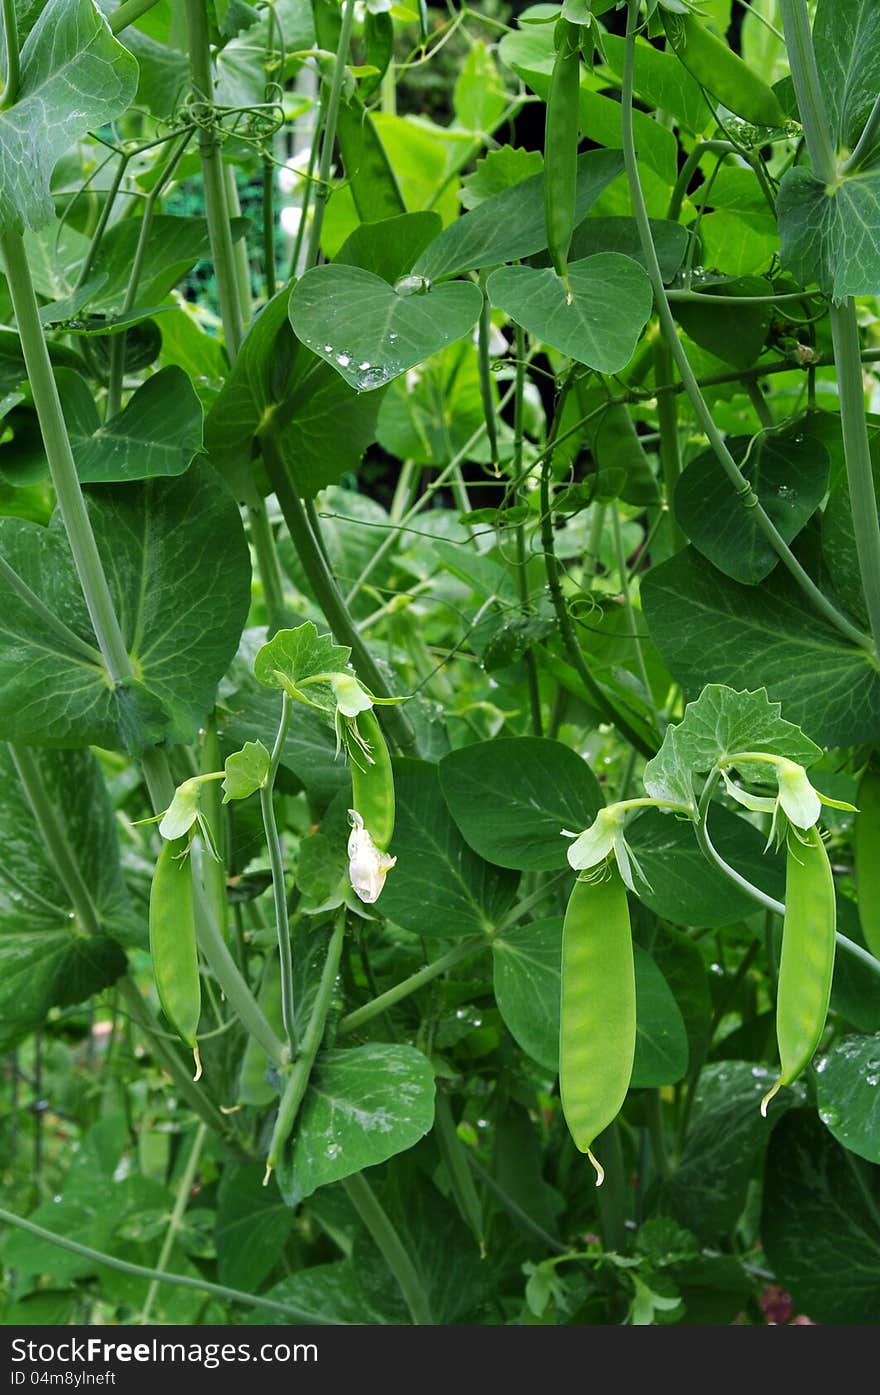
(158,432)
(74,76)
(371,332)
(599,323)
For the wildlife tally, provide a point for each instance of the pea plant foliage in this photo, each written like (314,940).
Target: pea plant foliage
(439,682)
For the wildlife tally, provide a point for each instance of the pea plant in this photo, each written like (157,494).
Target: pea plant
(439,683)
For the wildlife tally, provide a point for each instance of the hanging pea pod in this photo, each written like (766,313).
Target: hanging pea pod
(721,71)
(561,145)
(867,855)
(597,1034)
(173,943)
(807,964)
(379,44)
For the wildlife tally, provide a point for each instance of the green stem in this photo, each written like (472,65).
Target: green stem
(61,463)
(866,142)
(305,201)
(611,1196)
(184,1190)
(594,540)
(327,592)
(689,169)
(390,1246)
(241,260)
(760,404)
(808,88)
(268,567)
(141,1271)
(67,637)
(54,837)
(656,1132)
(455,1161)
(128,13)
(331,116)
(214,872)
(859,471)
(516,1211)
(269,227)
(12,75)
(744,492)
(98,235)
(300,1071)
(670,442)
(466,950)
(279,892)
(219,232)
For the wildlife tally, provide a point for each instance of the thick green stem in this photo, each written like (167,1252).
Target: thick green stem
(269,227)
(743,490)
(485,367)
(239,248)
(300,1071)
(141,1271)
(279,891)
(331,116)
(390,1246)
(12,73)
(808,88)
(61,463)
(219,232)
(328,595)
(670,442)
(128,13)
(184,1190)
(689,169)
(268,567)
(466,950)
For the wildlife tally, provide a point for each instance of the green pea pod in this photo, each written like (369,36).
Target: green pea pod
(372,781)
(721,71)
(367,167)
(867,856)
(806,967)
(173,943)
(597,1034)
(561,145)
(379,42)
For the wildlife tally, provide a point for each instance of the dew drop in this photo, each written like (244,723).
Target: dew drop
(343,360)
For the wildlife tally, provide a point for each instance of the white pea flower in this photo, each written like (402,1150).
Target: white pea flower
(796,798)
(368,866)
(604,836)
(351,696)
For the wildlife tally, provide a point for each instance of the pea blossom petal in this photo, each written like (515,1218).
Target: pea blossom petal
(799,801)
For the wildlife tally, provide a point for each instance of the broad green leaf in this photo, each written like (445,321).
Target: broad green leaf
(526,964)
(725,1142)
(819,1227)
(598,234)
(661,82)
(253,1227)
(788,471)
(845,34)
(323,1295)
(684,968)
(708,627)
(181,602)
(173,247)
(363,1105)
(848,1094)
(720,723)
(831,238)
(246,771)
(684,887)
(47,957)
(598,323)
(292,655)
(511,224)
(735,335)
(325,427)
(389,247)
(370,332)
(512,797)
(743,242)
(74,76)
(839,551)
(158,432)
(439,886)
(478,98)
(526,974)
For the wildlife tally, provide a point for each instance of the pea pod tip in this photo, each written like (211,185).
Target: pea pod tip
(600,1171)
(769,1096)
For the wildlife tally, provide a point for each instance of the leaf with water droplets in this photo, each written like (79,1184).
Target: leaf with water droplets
(363,1105)
(371,332)
(788,470)
(848,1094)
